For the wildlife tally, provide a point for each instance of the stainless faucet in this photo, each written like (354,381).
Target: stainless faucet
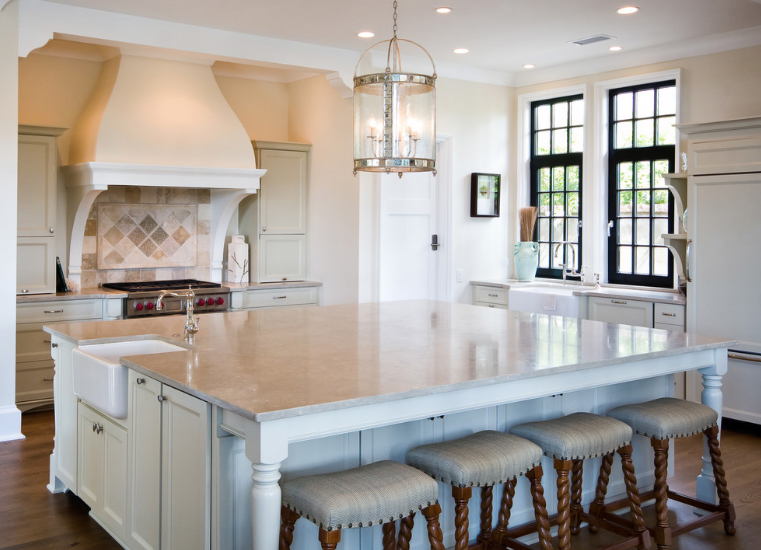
(191,321)
(566,272)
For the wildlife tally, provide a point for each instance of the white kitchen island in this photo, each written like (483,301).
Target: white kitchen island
(319,389)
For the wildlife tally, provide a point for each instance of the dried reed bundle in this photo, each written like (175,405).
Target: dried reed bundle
(527,218)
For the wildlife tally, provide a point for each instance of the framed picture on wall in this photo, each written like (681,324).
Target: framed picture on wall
(484,195)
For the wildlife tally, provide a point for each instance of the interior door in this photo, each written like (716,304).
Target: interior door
(409,265)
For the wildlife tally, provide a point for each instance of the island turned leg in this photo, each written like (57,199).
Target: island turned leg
(712,397)
(265,506)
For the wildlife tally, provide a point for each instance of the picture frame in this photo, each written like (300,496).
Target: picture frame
(484,195)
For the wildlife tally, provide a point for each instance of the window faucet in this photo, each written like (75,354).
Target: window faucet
(191,321)
(566,271)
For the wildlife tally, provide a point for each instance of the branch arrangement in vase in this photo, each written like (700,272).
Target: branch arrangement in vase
(527,217)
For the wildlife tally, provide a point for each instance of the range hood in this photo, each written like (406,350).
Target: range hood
(158,123)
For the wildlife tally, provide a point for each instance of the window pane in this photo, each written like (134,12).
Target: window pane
(577,140)
(559,141)
(558,178)
(624,231)
(667,101)
(543,143)
(544,257)
(624,106)
(573,230)
(623,135)
(558,206)
(661,202)
(544,229)
(558,233)
(643,203)
(643,174)
(643,260)
(624,203)
(573,178)
(577,112)
(573,204)
(660,167)
(560,115)
(643,232)
(625,175)
(625,259)
(544,179)
(666,131)
(544,204)
(661,261)
(660,226)
(542,117)
(645,132)
(645,103)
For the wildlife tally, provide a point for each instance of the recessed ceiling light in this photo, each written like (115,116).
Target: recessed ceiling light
(628,10)
(461,50)
(443,10)
(529,66)
(615,48)
(366,34)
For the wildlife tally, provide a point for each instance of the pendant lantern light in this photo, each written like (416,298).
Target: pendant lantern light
(395,115)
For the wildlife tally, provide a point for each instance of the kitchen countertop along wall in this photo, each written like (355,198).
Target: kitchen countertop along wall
(84,294)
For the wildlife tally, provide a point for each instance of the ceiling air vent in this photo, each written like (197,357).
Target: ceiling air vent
(592,40)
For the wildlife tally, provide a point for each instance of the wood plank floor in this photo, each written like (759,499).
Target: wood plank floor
(32,518)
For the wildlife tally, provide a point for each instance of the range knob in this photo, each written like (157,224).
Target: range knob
(209,301)
(149,305)
(220,301)
(200,302)
(139,306)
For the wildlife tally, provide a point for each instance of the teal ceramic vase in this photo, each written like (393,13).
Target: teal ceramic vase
(526,259)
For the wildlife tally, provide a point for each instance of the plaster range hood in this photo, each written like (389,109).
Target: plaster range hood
(158,123)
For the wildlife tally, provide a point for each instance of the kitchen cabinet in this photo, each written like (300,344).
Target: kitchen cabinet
(671,317)
(63,460)
(620,311)
(490,296)
(169,468)
(102,468)
(275,218)
(36,209)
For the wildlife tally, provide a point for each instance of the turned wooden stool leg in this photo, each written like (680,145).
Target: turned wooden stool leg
(389,536)
(435,536)
(662,528)
(714,449)
(504,512)
(405,532)
(461,497)
(630,480)
(563,467)
(576,508)
(597,507)
(329,539)
(289,518)
(487,497)
(540,508)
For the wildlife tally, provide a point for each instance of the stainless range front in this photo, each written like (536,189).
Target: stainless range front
(141,300)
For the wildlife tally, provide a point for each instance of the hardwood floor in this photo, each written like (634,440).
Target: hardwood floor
(32,518)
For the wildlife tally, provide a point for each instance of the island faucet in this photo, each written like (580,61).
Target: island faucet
(191,321)
(566,272)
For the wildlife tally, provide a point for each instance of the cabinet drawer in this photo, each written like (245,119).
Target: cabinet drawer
(32,344)
(70,310)
(280,297)
(669,314)
(34,381)
(491,295)
(485,304)
(621,311)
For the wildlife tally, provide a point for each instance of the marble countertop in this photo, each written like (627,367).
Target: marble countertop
(657,296)
(240,287)
(84,294)
(282,362)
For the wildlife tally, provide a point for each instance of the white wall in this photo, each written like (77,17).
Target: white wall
(10,417)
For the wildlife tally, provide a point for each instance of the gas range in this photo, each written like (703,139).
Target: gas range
(142,296)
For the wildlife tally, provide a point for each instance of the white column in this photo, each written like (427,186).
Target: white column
(10,416)
(712,397)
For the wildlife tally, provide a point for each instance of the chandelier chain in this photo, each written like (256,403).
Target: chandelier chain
(395,27)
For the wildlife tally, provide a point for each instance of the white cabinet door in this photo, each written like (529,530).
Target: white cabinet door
(91,462)
(620,311)
(36,186)
(35,268)
(65,417)
(144,465)
(186,472)
(282,258)
(283,193)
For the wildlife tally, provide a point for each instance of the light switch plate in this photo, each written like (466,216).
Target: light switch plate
(459,275)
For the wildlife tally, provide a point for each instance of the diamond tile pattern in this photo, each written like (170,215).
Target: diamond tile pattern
(157,235)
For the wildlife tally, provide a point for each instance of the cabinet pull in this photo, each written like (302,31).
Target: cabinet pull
(279,297)
(140,381)
(161,398)
(94,427)
(99,429)
(47,379)
(46,341)
(622,302)
(669,314)
(53,345)
(494,295)
(53,311)
(491,305)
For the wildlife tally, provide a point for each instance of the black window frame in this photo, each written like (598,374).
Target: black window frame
(635,154)
(553,160)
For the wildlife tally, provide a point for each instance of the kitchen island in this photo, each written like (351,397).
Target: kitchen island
(282,379)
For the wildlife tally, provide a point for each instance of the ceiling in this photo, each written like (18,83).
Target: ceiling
(502,35)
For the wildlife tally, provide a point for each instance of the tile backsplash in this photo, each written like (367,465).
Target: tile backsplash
(147,233)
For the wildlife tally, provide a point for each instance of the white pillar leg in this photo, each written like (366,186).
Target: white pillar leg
(712,397)
(265,506)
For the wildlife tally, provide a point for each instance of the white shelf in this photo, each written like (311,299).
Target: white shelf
(677,184)
(677,243)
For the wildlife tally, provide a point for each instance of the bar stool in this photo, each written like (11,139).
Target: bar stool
(485,459)
(378,493)
(571,439)
(661,420)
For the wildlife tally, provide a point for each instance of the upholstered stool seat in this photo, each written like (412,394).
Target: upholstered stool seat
(570,440)
(485,459)
(378,493)
(661,420)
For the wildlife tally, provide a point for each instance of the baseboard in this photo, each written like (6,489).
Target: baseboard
(10,424)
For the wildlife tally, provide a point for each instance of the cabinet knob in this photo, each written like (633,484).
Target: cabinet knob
(140,381)
(264,228)
(52,229)
(24,291)
(161,398)
(99,429)
(94,426)
(53,345)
